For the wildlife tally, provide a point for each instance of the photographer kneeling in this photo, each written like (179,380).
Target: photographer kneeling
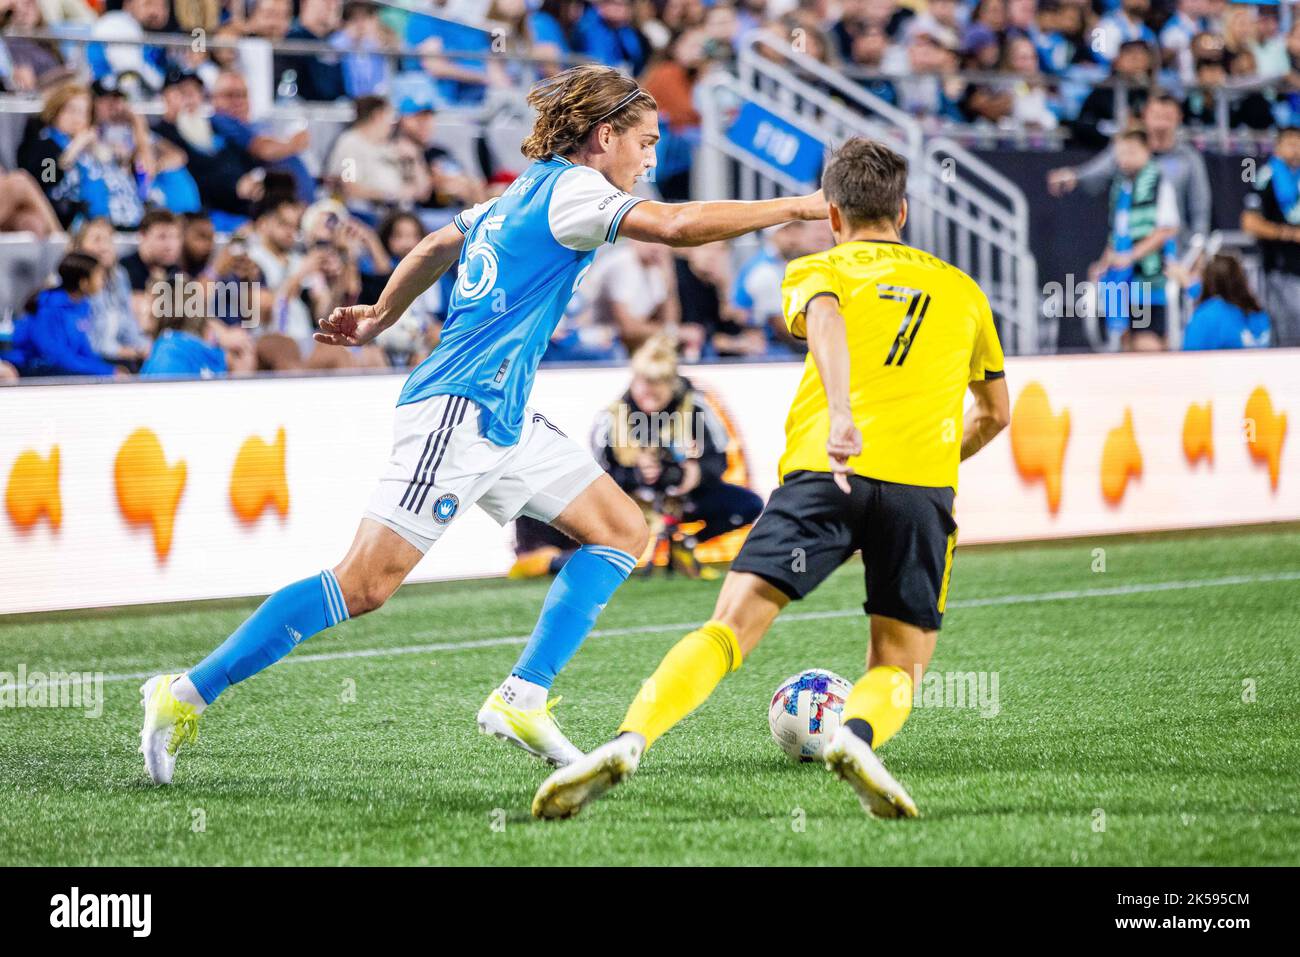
(664,444)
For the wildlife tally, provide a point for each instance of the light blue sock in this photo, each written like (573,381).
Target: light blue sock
(586,582)
(284,620)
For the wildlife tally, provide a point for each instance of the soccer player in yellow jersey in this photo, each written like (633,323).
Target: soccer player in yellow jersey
(873,439)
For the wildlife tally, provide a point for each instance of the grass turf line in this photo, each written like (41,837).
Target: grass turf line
(1125,710)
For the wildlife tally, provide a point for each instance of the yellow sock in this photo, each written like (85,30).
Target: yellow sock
(684,679)
(883,699)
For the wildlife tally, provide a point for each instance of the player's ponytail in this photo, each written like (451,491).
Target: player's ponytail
(571,104)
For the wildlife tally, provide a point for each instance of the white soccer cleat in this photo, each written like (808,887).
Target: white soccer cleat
(535,730)
(853,760)
(168,724)
(570,789)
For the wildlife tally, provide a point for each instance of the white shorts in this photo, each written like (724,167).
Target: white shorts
(441,465)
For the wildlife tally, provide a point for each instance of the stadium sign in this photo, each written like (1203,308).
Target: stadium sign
(777,143)
(151,491)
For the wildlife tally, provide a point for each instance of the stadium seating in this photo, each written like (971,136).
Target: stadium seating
(984,100)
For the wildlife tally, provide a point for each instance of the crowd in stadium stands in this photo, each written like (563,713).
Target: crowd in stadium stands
(1052,53)
(93,164)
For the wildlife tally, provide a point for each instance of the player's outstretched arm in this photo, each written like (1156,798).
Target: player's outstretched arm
(829,344)
(418,270)
(990,414)
(694,224)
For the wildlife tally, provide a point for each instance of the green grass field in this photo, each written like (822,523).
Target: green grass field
(1147,714)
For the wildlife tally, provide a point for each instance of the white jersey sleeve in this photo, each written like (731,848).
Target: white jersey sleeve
(586,209)
(465,219)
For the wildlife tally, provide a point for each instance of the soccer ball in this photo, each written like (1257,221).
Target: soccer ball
(805,711)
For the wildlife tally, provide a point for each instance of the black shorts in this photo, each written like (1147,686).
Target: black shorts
(906,534)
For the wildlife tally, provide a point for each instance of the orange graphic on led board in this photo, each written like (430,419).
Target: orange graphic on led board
(1038,440)
(1120,459)
(33,489)
(1198,435)
(1265,432)
(258,480)
(148,489)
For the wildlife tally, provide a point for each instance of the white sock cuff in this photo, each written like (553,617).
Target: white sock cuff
(620,559)
(336,609)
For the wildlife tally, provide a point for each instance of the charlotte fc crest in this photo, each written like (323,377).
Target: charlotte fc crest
(444,510)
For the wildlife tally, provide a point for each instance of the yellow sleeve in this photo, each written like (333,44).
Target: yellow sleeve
(986,360)
(805,279)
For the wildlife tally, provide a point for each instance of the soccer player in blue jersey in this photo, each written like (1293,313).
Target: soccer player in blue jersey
(464,434)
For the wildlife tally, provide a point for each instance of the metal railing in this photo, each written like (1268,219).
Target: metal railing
(961,208)
(979,222)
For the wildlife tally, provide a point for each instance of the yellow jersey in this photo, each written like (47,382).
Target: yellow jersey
(919,330)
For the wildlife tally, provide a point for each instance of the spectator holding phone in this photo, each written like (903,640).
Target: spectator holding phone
(232,120)
(80,174)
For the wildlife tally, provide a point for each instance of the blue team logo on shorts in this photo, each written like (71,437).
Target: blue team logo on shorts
(444,510)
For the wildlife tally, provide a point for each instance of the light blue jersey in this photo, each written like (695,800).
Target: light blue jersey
(525,253)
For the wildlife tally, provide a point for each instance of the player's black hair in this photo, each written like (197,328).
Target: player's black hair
(867,182)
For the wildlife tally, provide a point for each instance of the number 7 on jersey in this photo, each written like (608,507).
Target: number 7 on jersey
(918,302)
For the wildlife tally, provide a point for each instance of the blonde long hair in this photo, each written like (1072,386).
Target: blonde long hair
(656,360)
(571,104)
